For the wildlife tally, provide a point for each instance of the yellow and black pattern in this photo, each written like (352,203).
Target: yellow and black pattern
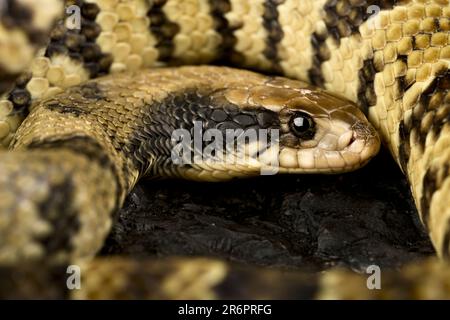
(203,278)
(93,142)
(394,64)
(24,28)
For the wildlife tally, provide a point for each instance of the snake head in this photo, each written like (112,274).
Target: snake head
(321,132)
(317,132)
(253,124)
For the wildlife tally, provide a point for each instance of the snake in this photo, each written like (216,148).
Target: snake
(90,109)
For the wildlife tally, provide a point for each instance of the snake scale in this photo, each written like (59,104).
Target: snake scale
(84,144)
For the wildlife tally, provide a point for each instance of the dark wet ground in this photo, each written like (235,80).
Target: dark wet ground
(304,221)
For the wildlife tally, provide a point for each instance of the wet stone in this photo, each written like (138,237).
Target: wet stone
(303,222)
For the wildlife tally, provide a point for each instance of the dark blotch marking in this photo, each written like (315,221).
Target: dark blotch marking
(429,187)
(430,184)
(92,91)
(342,19)
(226,52)
(61,108)
(84,145)
(14,14)
(6,79)
(321,54)
(20,96)
(81,45)
(163,29)
(219,115)
(89,91)
(151,141)
(404,147)
(35,280)
(431,100)
(366,90)
(64,220)
(88,147)
(274,33)
(285,285)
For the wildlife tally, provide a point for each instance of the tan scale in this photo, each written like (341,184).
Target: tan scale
(197,41)
(428,279)
(178,279)
(384,39)
(126,35)
(423,64)
(299,19)
(16,50)
(341,71)
(251,35)
(112,117)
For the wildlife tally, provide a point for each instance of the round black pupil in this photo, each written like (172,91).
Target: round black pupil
(301,123)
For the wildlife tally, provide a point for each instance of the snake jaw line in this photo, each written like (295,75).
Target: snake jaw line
(337,146)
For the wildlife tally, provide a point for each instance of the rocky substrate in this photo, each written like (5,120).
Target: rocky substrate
(310,222)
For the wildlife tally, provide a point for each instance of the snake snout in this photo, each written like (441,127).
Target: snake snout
(339,145)
(344,147)
(359,144)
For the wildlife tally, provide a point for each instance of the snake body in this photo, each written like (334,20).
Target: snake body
(114,136)
(394,66)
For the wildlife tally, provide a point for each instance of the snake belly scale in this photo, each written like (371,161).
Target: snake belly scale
(395,66)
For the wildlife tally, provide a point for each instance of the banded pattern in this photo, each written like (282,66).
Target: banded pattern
(197,40)
(24,28)
(80,45)
(251,36)
(395,65)
(342,19)
(200,278)
(41,228)
(93,142)
(225,50)
(274,33)
(163,30)
(299,20)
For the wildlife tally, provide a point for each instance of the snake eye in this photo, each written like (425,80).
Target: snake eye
(302,125)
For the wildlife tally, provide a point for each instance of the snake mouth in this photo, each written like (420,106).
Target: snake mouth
(333,153)
(337,151)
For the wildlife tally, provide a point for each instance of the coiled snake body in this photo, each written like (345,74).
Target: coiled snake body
(85,144)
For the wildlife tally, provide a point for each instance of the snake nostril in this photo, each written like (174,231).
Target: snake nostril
(352,139)
(346,139)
